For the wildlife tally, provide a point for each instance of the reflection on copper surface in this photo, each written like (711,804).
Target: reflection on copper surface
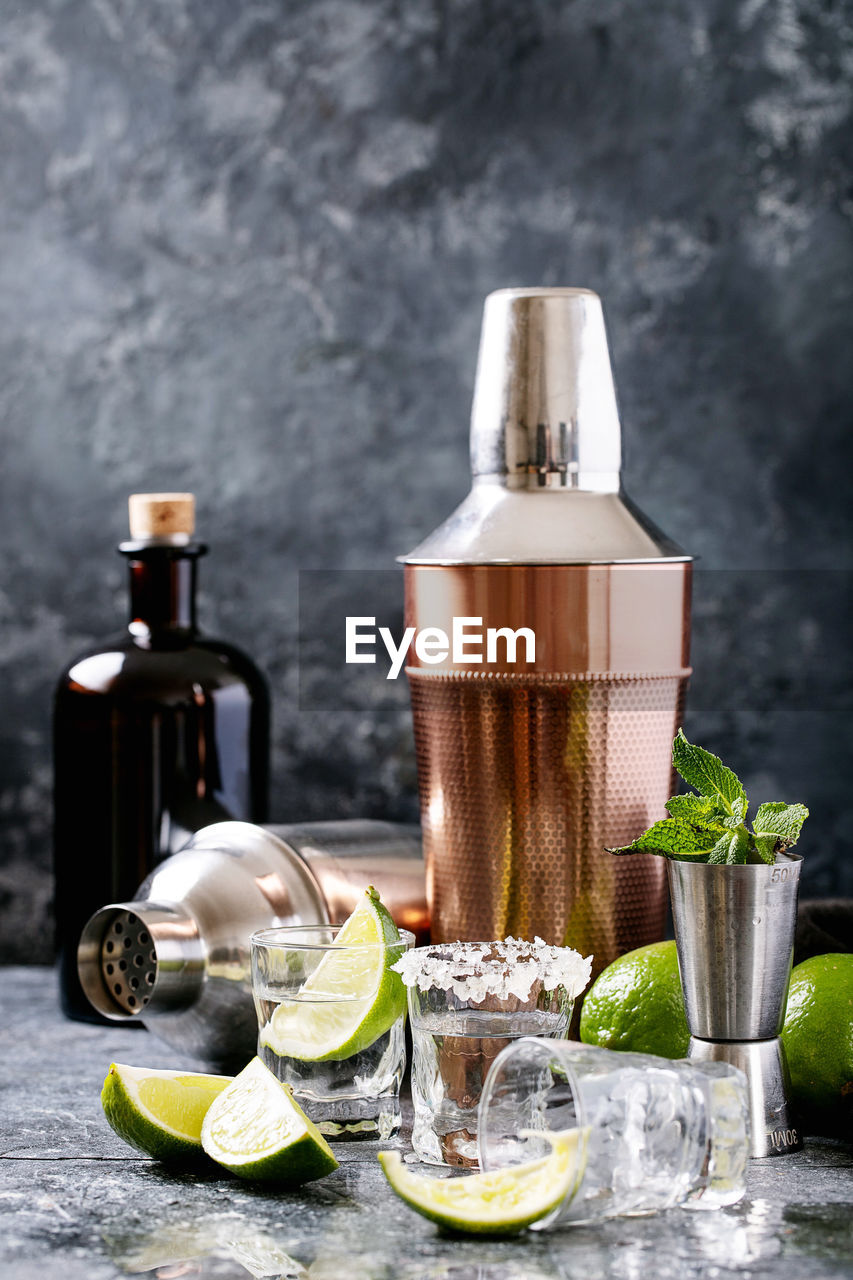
(527,775)
(399,879)
(602,619)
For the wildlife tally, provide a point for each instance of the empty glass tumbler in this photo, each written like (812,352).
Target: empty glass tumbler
(467,1002)
(331,1018)
(651,1133)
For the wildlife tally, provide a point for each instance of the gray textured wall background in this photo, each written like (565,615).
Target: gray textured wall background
(243,250)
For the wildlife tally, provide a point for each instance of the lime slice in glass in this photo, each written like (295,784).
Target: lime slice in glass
(350,999)
(159,1112)
(501,1202)
(255,1129)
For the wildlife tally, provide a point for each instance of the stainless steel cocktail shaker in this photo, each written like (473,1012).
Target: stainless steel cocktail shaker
(177,957)
(529,769)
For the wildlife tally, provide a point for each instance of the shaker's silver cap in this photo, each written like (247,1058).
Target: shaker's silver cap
(545,445)
(544,412)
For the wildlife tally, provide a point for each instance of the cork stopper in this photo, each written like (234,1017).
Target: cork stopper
(161,517)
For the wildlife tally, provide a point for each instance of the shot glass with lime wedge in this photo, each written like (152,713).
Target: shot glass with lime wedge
(331,1016)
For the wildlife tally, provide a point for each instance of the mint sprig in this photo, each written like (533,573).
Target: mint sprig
(711,825)
(674,838)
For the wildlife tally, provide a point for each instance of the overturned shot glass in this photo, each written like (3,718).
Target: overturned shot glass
(650,1132)
(467,1002)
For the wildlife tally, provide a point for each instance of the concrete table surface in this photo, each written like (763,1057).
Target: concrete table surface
(76,1202)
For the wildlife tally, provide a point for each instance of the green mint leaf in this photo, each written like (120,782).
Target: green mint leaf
(783,822)
(739,844)
(739,808)
(731,850)
(719,855)
(766,848)
(708,775)
(694,809)
(675,838)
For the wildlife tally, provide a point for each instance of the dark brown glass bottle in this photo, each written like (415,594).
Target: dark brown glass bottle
(157,733)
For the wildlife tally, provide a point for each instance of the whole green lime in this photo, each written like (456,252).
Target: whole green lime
(636,1003)
(818,1037)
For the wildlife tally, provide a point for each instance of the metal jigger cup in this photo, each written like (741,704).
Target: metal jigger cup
(734,932)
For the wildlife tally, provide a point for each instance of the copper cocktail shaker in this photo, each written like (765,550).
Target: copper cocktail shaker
(529,769)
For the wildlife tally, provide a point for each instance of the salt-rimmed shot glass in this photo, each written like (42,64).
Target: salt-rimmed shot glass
(650,1132)
(339,1046)
(467,1002)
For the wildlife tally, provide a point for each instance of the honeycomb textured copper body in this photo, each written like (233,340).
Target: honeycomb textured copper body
(526,776)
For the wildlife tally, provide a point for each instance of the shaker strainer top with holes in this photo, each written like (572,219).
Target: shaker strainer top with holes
(129,961)
(178,957)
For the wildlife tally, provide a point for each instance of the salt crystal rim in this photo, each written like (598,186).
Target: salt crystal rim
(474,970)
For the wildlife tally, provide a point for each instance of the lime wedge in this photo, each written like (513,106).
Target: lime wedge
(159,1112)
(351,998)
(501,1202)
(255,1129)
